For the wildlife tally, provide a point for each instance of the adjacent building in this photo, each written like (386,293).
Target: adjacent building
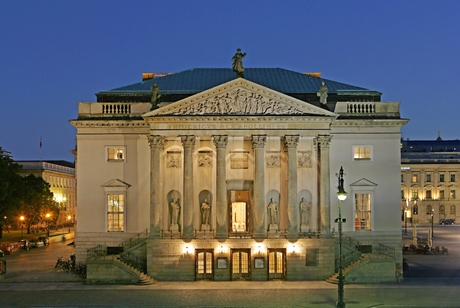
(430,171)
(236,178)
(60,175)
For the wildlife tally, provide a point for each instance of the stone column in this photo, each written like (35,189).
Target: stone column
(156,146)
(323,142)
(259,208)
(220,141)
(290,142)
(188,142)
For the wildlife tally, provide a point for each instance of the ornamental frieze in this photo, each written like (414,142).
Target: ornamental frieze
(238,102)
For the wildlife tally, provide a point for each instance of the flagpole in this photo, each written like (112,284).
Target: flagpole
(41,148)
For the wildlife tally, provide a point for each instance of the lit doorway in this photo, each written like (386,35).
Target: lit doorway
(276,264)
(239,211)
(204,264)
(240,264)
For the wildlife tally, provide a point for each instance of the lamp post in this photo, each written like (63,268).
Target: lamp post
(432,225)
(405,221)
(22,226)
(341,195)
(48,215)
(68,222)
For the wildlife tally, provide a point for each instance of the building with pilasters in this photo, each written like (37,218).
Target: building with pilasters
(235,178)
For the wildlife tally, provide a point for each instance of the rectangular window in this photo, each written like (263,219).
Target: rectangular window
(116,154)
(362,152)
(452,194)
(362,211)
(414,194)
(428,177)
(115,212)
(441,178)
(414,178)
(441,194)
(402,194)
(402,178)
(452,177)
(428,195)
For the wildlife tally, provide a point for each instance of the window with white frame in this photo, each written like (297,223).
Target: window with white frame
(116,153)
(115,212)
(115,192)
(363,211)
(362,153)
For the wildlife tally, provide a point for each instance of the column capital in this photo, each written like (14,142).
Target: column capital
(291,141)
(323,141)
(220,141)
(156,141)
(258,141)
(188,141)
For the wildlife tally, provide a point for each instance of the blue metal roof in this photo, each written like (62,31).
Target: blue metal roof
(200,79)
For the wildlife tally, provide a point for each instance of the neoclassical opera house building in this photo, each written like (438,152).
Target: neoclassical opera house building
(209,174)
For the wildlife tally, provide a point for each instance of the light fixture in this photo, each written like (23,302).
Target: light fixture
(221,249)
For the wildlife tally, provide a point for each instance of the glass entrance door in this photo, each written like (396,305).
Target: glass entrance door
(204,264)
(238,216)
(276,264)
(241,267)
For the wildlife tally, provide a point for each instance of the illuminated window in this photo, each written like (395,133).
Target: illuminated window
(115,212)
(452,194)
(116,154)
(414,194)
(363,211)
(414,178)
(362,153)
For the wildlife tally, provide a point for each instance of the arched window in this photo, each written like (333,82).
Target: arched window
(452,209)
(429,209)
(415,210)
(442,209)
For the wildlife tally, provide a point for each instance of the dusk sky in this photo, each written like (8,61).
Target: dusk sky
(55,54)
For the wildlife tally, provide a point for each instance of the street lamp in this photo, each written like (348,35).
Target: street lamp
(405,221)
(22,226)
(341,195)
(48,215)
(432,225)
(68,222)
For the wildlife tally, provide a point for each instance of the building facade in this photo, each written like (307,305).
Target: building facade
(61,177)
(236,178)
(429,180)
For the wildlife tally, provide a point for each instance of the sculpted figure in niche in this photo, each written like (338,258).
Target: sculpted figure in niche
(205,211)
(305,211)
(272,211)
(175,210)
(322,93)
(238,63)
(155,96)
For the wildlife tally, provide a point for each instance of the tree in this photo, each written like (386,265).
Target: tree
(10,188)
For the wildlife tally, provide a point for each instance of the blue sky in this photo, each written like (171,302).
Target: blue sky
(57,53)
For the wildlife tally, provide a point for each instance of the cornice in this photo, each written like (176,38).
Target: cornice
(112,123)
(370,122)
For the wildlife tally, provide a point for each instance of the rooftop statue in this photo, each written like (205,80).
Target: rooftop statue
(322,93)
(238,63)
(155,96)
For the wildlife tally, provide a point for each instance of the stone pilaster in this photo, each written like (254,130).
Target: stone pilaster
(291,142)
(323,143)
(220,141)
(188,142)
(258,209)
(156,146)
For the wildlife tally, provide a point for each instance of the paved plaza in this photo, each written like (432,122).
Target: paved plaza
(432,281)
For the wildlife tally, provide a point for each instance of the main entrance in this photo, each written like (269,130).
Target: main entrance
(276,264)
(241,264)
(203,264)
(239,211)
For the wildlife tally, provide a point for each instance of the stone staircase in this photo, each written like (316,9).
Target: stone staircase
(334,278)
(144,279)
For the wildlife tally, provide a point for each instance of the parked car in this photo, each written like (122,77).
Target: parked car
(447,221)
(44,240)
(24,244)
(36,243)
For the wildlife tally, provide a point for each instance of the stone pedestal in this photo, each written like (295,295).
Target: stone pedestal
(304,228)
(273,228)
(174,228)
(205,228)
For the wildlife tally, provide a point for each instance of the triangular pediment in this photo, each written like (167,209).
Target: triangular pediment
(239,97)
(116,183)
(363,182)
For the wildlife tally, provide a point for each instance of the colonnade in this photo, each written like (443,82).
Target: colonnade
(258,209)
